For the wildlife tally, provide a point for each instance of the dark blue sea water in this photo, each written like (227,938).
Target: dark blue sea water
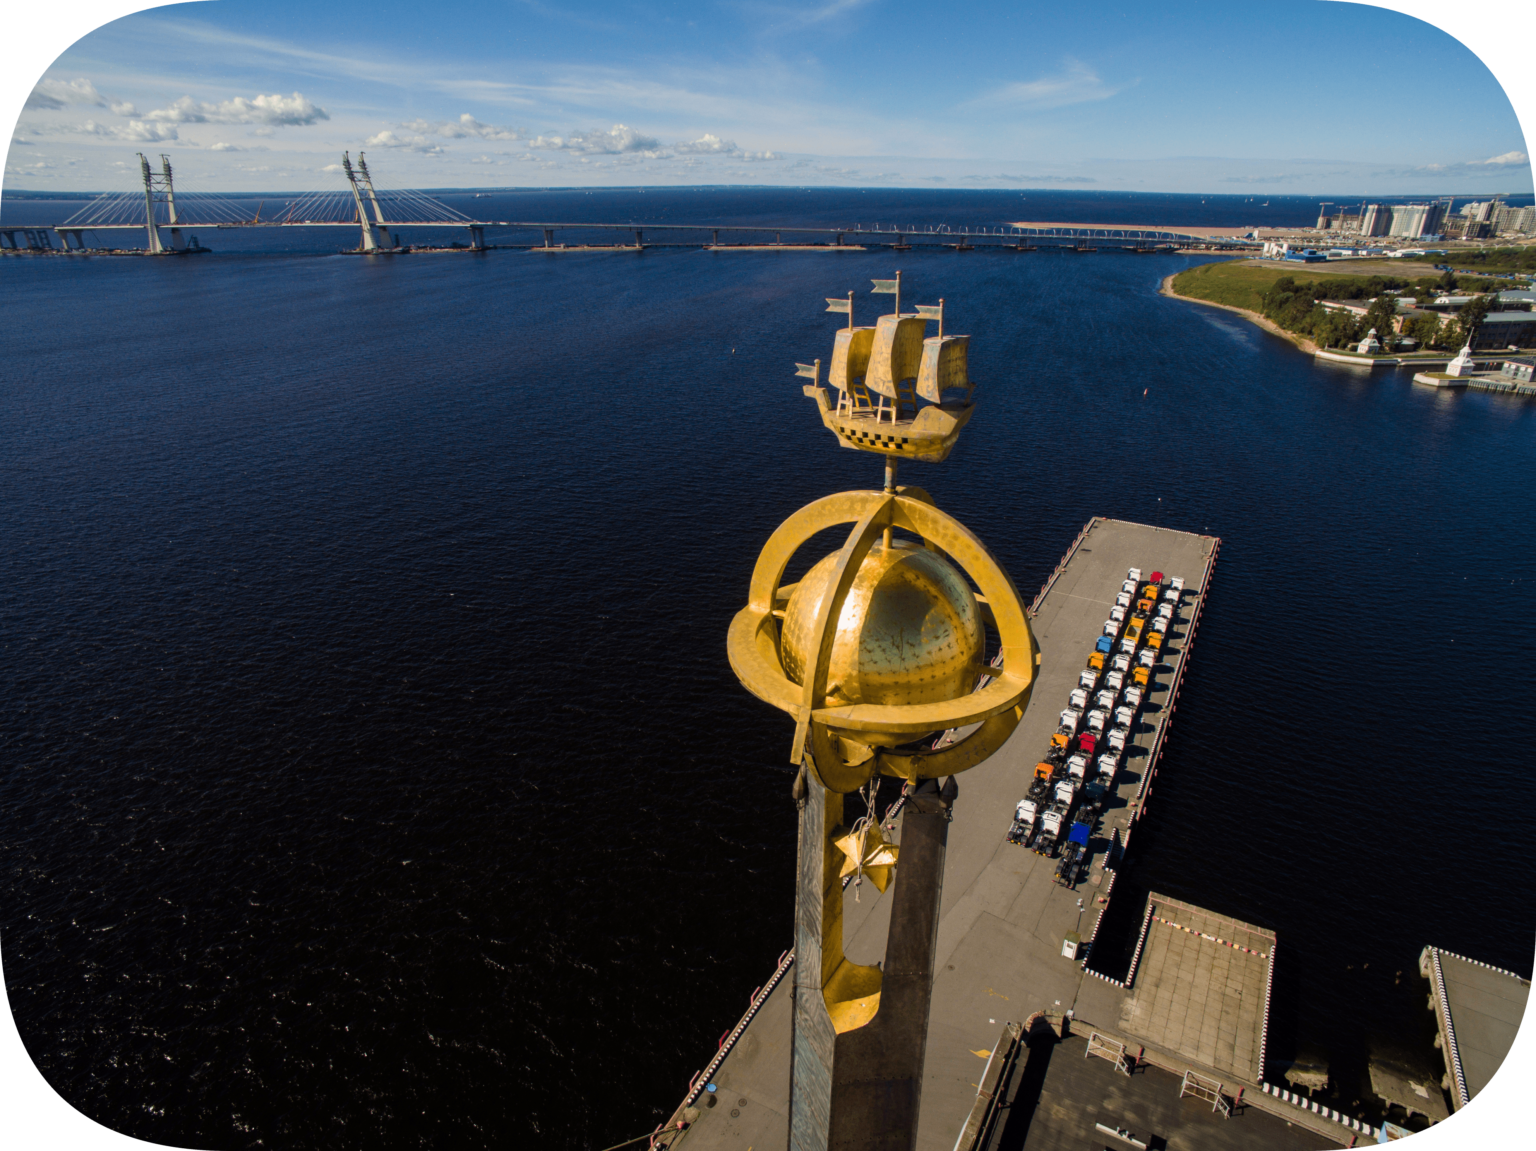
(373,772)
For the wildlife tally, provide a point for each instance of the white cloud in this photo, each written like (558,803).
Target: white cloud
(332,168)
(707,143)
(1467,167)
(275,109)
(263,132)
(1077,84)
(136,131)
(388,139)
(224,148)
(620,138)
(50,95)
(462,128)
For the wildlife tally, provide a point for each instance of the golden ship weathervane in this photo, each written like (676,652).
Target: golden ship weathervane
(881,373)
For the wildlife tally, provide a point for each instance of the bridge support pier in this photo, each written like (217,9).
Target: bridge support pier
(33,240)
(549,237)
(477,237)
(639,239)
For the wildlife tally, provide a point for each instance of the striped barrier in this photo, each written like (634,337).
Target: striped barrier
(1450,1029)
(1269,986)
(1296,1099)
(1212,938)
(1146,922)
(1094,934)
(1480,963)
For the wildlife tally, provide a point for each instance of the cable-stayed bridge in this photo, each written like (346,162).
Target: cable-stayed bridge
(166,218)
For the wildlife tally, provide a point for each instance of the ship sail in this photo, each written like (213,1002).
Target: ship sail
(850,357)
(943,366)
(897,355)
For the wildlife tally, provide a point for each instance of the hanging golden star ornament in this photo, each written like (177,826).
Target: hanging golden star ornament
(870,853)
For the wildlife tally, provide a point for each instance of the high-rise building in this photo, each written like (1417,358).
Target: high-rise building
(1414,221)
(1375,219)
(1507,218)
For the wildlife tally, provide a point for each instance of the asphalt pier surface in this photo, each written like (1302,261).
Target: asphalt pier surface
(1002,915)
(1062,1100)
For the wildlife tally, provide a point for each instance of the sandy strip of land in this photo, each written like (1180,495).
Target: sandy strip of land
(1306,345)
(1200,233)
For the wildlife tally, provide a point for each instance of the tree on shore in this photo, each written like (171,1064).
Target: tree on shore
(1426,330)
(1381,315)
(1471,315)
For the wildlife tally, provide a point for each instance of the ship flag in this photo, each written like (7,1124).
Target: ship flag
(844,306)
(933,312)
(809,371)
(888,288)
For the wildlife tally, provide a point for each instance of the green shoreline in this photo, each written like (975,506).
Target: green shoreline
(1306,345)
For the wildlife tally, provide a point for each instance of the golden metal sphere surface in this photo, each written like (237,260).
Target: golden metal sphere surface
(909,632)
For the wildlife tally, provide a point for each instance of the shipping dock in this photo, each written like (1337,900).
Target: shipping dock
(1015,975)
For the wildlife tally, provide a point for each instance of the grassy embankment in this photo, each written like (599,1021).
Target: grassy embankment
(1284,298)
(1232,284)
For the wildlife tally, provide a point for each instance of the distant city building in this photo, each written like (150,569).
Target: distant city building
(1415,220)
(1375,220)
(1506,218)
(1465,228)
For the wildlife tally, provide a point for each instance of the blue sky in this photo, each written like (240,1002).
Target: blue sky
(1280,97)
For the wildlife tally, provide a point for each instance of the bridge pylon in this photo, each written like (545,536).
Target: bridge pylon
(151,230)
(378,214)
(159,189)
(371,228)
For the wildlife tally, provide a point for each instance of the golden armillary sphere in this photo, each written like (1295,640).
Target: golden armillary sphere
(881,643)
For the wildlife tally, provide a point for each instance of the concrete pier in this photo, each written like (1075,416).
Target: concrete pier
(1478,1009)
(1198,1004)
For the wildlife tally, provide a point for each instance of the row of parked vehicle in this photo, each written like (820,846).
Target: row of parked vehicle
(1067,794)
